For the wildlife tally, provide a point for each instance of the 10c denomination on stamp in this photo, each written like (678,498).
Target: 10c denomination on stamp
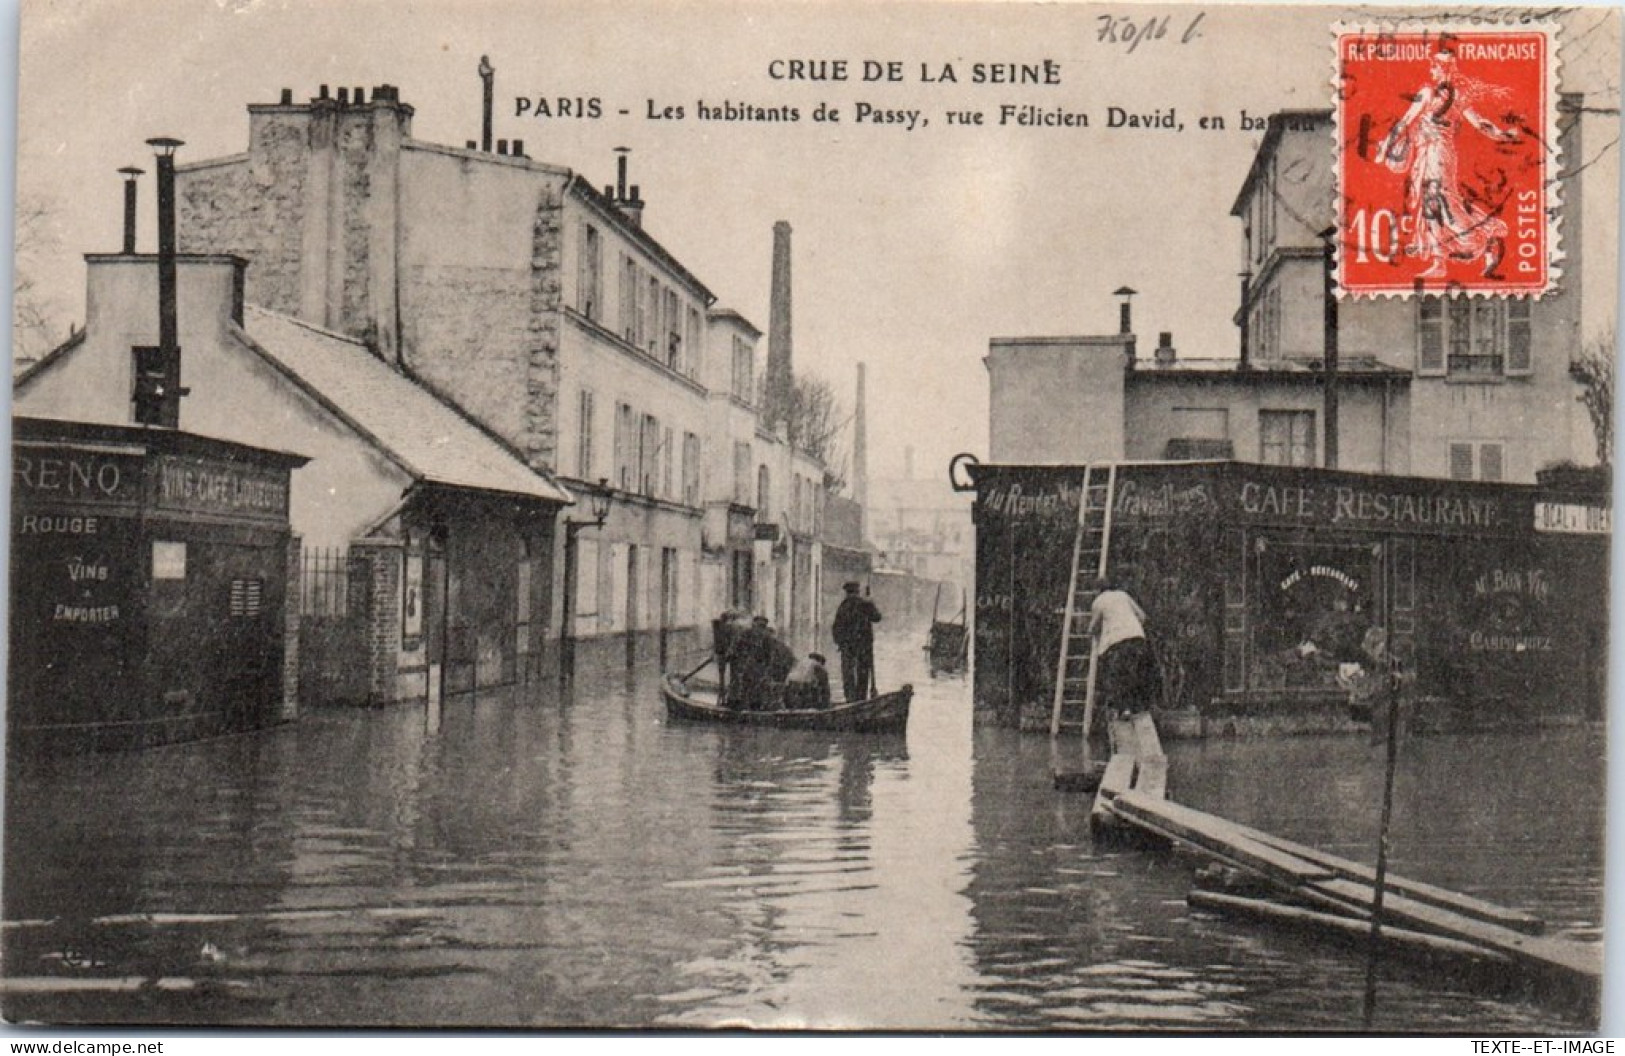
(1446,153)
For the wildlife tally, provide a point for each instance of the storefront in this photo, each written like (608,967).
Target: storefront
(1260,581)
(149,576)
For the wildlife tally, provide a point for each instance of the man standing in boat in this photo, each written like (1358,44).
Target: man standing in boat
(854,635)
(1126,672)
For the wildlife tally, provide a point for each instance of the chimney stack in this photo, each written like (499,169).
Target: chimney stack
(1165,354)
(1125,321)
(780,370)
(487,75)
(129,172)
(169,351)
(626,198)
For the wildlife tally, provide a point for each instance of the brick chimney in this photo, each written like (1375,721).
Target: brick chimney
(1165,356)
(626,198)
(779,381)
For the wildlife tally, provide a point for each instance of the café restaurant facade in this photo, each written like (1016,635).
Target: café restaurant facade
(149,581)
(1260,581)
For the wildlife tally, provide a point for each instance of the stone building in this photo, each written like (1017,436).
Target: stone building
(1449,387)
(421,503)
(542,308)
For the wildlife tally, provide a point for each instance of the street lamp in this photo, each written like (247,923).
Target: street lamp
(598,501)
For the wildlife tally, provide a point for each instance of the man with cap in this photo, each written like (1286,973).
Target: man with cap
(808,684)
(854,635)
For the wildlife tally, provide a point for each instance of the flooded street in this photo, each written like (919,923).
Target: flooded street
(548,863)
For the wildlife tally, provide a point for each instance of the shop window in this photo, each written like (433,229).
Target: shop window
(246,597)
(1286,438)
(1468,337)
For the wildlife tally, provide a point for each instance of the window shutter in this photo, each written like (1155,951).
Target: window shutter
(1489,462)
(1461,461)
(1429,336)
(1520,337)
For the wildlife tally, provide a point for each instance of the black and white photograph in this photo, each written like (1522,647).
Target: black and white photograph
(829,516)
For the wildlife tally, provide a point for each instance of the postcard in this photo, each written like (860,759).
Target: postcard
(838,516)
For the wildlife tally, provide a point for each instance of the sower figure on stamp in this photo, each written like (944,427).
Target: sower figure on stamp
(1443,223)
(1126,677)
(855,637)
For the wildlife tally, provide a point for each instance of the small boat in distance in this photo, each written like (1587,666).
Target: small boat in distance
(886,713)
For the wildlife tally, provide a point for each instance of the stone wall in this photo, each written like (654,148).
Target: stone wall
(377,565)
(290,632)
(253,207)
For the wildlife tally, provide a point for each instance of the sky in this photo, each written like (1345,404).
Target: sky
(912,248)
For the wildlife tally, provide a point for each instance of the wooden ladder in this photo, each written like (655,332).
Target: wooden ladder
(1074,705)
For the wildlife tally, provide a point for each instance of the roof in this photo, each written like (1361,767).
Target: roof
(1272,370)
(1279,123)
(142,438)
(430,438)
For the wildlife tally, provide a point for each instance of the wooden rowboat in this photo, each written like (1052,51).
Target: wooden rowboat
(887,713)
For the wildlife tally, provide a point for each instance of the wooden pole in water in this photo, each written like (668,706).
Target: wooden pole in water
(1375,947)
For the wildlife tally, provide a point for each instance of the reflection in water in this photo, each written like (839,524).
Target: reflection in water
(582,862)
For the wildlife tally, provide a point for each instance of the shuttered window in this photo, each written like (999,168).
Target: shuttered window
(1520,337)
(1429,336)
(1489,462)
(1461,461)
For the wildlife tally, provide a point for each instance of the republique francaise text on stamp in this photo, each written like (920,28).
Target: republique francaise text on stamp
(1445,159)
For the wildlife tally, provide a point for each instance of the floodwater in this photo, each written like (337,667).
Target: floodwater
(547,863)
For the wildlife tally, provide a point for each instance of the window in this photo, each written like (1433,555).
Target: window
(1488,461)
(589,289)
(1466,337)
(629,299)
(649,318)
(586,577)
(648,454)
(1286,438)
(764,493)
(666,459)
(625,446)
(741,473)
(693,340)
(691,469)
(743,367)
(674,333)
(584,437)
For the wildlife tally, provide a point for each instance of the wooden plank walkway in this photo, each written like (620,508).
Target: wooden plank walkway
(1328,881)
(1137,765)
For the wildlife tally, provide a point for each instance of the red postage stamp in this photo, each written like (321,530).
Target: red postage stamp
(1446,151)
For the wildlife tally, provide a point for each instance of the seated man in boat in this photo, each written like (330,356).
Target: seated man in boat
(808,684)
(781,660)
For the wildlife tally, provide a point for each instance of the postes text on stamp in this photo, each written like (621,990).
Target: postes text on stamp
(1445,151)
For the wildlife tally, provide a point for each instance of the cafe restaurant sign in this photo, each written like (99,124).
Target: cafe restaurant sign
(1376,505)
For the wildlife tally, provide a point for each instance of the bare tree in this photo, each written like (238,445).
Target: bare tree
(816,423)
(34,314)
(1594,369)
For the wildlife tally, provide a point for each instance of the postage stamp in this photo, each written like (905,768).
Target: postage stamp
(1446,155)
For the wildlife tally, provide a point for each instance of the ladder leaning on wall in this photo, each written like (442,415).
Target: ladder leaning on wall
(1074,704)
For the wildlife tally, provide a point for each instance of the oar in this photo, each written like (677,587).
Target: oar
(697,670)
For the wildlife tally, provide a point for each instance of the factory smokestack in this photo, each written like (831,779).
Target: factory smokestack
(860,447)
(780,377)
